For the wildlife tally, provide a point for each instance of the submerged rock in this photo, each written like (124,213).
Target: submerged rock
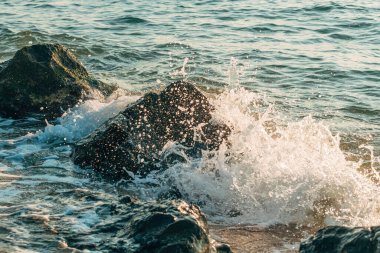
(46,79)
(336,239)
(154,226)
(136,139)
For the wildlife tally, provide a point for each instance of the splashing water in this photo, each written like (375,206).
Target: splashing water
(234,73)
(307,56)
(270,172)
(182,73)
(83,119)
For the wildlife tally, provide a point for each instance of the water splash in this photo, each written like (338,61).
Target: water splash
(182,72)
(83,119)
(269,171)
(272,172)
(234,73)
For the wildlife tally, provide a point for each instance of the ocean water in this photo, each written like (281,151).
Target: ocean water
(298,81)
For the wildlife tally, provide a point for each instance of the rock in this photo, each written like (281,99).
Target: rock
(336,239)
(133,141)
(135,226)
(45,79)
(222,248)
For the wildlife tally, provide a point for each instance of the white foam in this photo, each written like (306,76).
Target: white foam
(268,172)
(274,173)
(82,120)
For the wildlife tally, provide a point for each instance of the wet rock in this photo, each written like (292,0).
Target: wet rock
(223,248)
(152,226)
(336,239)
(45,79)
(134,141)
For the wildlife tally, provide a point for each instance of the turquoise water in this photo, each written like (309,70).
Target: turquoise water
(310,68)
(314,57)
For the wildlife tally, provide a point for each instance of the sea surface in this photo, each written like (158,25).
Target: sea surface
(298,81)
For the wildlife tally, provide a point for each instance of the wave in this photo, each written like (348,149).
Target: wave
(269,172)
(126,20)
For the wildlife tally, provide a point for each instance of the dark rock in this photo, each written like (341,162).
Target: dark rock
(133,140)
(45,79)
(222,248)
(152,226)
(336,239)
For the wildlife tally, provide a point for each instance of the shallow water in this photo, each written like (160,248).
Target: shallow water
(326,53)
(298,82)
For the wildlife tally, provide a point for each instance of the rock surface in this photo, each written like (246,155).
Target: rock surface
(133,141)
(45,79)
(336,239)
(152,226)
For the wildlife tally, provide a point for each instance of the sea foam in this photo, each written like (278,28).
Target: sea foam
(83,119)
(271,171)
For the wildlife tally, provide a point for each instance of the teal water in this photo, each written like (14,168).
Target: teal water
(314,57)
(312,68)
